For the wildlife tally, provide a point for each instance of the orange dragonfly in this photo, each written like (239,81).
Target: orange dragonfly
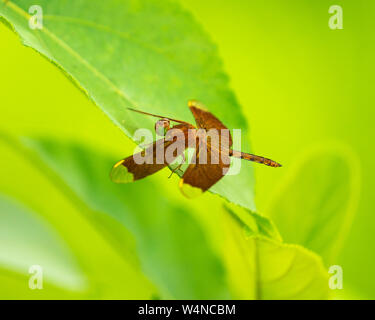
(199,175)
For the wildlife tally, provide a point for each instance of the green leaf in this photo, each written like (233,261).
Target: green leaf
(26,240)
(149,55)
(315,205)
(14,286)
(92,247)
(252,223)
(171,244)
(262,268)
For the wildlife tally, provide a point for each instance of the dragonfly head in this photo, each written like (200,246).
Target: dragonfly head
(162,126)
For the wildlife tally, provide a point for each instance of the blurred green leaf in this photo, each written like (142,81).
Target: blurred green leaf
(171,245)
(15,285)
(110,273)
(262,268)
(149,54)
(316,203)
(26,240)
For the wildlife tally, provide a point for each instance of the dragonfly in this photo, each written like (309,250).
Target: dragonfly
(199,176)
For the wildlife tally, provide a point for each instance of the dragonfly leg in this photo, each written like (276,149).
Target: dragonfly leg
(178,167)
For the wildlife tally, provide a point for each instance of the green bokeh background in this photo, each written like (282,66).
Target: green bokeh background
(300,84)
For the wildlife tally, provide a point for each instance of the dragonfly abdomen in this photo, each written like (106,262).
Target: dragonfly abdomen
(254,158)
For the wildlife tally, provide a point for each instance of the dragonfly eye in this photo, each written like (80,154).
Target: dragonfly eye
(161,127)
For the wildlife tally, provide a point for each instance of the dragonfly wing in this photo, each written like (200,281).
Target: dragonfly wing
(205,119)
(129,169)
(199,177)
(150,160)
